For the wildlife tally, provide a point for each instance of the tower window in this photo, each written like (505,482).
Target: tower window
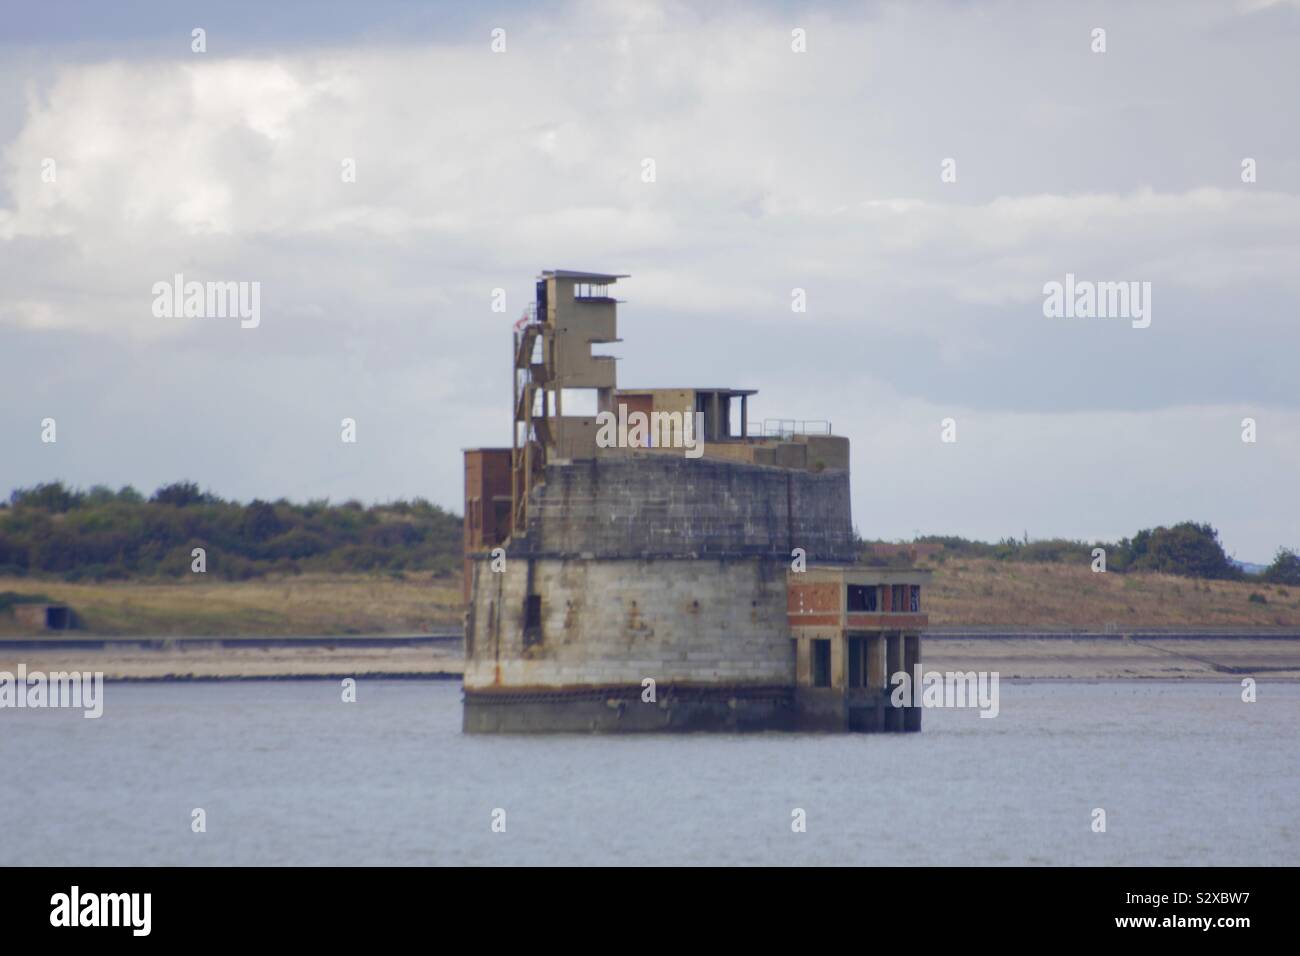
(862,597)
(532,619)
(821,663)
(855,662)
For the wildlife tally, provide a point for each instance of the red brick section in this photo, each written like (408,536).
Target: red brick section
(813,605)
(813,599)
(635,403)
(487,520)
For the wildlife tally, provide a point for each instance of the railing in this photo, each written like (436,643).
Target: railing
(787,427)
(528,317)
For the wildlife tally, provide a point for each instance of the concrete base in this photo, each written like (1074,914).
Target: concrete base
(675,710)
(621,710)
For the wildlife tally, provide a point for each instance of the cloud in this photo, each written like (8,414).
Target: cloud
(774,170)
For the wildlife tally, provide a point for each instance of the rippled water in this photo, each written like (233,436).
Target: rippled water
(1187,774)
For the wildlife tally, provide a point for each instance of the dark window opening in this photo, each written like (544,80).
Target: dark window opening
(855,662)
(533,619)
(704,406)
(900,597)
(717,418)
(821,663)
(916,597)
(862,597)
(58,618)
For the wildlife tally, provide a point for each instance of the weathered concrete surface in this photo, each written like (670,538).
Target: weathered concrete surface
(621,622)
(625,710)
(656,506)
(650,568)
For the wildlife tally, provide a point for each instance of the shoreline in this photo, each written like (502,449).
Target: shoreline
(441,678)
(1060,656)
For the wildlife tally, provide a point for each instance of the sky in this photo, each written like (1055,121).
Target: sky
(920,171)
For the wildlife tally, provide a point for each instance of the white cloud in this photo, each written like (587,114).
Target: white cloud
(775,170)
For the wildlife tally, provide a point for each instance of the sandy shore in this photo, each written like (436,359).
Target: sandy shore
(207,661)
(1112,659)
(1087,658)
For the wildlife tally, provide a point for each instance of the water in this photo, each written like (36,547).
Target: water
(288,774)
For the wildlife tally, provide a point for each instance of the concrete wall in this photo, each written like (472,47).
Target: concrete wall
(671,507)
(45,617)
(606,623)
(802,452)
(574,325)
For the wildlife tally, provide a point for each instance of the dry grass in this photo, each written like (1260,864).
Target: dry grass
(302,604)
(985,592)
(965,593)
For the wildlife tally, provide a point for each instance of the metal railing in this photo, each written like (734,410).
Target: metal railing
(528,316)
(788,427)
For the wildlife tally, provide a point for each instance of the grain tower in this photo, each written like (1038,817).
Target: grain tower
(663,564)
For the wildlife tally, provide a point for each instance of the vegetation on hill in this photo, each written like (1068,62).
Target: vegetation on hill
(966,593)
(1188,549)
(52,531)
(986,593)
(100,534)
(395,602)
(1285,568)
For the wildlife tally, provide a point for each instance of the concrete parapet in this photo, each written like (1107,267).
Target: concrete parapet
(649,505)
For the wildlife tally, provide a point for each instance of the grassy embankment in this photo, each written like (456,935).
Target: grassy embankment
(965,593)
(1025,596)
(404,603)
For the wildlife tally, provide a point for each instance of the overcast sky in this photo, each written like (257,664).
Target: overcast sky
(774,170)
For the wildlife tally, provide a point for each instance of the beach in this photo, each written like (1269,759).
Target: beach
(440,655)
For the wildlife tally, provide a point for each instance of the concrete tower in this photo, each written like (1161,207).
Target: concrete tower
(662,564)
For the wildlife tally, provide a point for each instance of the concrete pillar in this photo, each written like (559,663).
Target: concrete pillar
(911,658)
(893,664)
(876,679)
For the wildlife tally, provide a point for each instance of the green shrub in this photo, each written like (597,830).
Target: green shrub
(1285,568)
(54,531)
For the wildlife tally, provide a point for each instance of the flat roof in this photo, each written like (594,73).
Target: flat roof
(691,388)
(575,274)
(862,573)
